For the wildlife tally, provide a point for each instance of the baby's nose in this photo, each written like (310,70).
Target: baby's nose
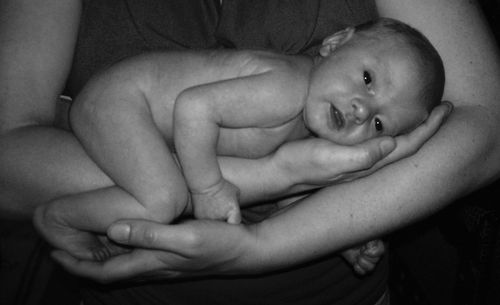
(360,111)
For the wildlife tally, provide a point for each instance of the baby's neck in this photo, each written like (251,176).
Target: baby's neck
(300,130)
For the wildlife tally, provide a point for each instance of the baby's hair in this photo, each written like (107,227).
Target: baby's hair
(431,68)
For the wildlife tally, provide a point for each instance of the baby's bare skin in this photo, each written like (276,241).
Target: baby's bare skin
(246,122)
(124,117)
(188,70)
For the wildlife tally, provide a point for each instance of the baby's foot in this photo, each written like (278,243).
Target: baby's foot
(364,258)
(107,248)
(80,244)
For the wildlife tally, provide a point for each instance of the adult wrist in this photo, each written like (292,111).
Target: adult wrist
(284,169)
(252,258)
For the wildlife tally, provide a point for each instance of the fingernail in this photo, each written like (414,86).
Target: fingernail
(119,232)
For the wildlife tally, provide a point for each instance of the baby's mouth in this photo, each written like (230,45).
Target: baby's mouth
(337,117)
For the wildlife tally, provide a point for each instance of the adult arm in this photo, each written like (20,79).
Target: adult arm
(195,248)
(37,161)
(462,157)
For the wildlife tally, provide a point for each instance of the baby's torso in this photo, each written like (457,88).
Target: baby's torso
(167,74)
(258,142)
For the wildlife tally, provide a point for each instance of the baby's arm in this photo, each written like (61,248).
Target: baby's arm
(260,100)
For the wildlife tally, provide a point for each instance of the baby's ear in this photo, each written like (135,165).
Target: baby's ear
(332,42)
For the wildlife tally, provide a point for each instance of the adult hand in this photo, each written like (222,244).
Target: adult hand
(319,162)
(192,248)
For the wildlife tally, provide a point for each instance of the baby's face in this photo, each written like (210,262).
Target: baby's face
(364,89)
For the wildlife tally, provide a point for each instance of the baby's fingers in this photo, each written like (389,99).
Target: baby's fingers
(364,266)
(374,249)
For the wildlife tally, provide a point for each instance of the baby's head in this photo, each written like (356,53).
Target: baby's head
(379,78)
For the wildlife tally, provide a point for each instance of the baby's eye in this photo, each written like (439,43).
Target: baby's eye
(367,77)
(378,125)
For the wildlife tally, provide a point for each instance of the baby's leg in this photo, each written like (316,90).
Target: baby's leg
(115,122)
(78,223)
(364,258)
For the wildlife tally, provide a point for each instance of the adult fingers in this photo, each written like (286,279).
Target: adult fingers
(125,266)
(152,235)
(410,143)
(347,159)
(374,150)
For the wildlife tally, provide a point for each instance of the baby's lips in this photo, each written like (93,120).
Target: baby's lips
(337,117)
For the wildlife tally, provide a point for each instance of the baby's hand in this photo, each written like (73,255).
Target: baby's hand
(364,258)
(220,202)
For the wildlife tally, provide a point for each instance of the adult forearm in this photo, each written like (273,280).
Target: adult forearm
(38,164)
(258,179)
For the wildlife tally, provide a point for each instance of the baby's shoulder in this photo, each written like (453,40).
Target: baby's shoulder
(263,61)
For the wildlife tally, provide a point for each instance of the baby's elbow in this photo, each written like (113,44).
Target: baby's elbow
(191,109)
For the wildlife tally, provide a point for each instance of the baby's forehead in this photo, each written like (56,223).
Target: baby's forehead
(406,102)
(384,49)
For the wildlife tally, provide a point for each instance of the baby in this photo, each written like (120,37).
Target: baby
(379,78)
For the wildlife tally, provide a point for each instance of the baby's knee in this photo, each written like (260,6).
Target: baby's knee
(168,205)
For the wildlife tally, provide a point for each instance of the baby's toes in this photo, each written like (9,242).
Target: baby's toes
(366,264)
(107,249)
(101,254)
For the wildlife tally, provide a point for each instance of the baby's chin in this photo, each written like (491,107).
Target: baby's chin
(340,139)
(348,142)
(336,136)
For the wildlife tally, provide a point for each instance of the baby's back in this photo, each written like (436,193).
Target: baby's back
(162,76)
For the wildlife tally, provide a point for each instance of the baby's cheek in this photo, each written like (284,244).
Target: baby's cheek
(361,134)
